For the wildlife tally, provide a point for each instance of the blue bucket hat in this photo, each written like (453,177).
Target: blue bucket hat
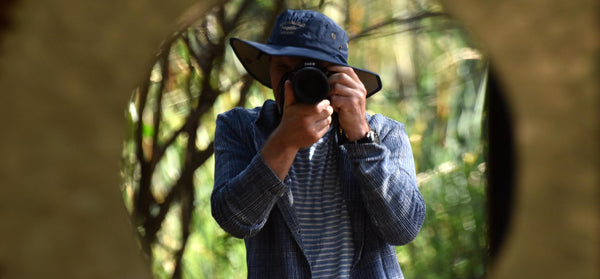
(301,33)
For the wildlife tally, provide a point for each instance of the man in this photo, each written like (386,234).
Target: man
(316,190)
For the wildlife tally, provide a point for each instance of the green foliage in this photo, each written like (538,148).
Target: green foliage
(210,252)
(452,241)
(433,77)
(438,94)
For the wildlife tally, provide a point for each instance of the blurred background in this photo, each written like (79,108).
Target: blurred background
(434,79)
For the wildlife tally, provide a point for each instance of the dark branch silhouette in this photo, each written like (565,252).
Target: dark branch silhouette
(206,53)
(415,18)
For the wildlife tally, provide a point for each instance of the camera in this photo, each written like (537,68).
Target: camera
(310,83)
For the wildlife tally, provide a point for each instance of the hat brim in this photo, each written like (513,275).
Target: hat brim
(254,58)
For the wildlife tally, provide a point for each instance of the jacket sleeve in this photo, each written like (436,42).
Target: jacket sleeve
(386,176)
(245,188)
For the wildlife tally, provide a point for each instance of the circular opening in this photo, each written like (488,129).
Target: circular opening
(433,81)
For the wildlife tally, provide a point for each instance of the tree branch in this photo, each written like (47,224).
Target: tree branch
(367,31)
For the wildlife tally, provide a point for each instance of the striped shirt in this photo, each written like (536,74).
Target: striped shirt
(322,214)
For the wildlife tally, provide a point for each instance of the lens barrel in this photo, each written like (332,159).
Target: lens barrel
(310,85)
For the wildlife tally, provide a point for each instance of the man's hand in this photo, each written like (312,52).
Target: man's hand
(301,125)
(348,98)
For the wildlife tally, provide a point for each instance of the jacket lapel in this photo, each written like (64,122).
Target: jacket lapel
(266,122)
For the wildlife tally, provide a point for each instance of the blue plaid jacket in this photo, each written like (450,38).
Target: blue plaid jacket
(378,183)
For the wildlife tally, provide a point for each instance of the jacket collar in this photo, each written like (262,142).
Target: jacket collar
(268,118)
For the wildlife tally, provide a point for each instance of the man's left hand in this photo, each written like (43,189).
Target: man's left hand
(348,98)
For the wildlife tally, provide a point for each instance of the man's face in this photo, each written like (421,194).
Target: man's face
(280,65)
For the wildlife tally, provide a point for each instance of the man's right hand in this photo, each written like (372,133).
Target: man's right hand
(301,126)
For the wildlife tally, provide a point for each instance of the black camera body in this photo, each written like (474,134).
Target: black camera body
(309,82)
